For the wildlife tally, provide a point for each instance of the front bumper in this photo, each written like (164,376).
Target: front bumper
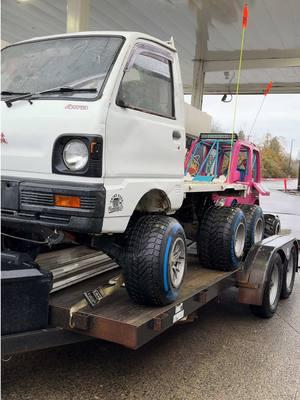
(32,202)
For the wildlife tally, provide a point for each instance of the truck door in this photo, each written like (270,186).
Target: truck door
(256,175)
(144,136)
(241,170)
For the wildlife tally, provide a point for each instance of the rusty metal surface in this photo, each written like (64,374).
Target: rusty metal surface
(226,354)
(119,320)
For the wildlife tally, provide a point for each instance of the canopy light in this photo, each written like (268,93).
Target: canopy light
(218,136)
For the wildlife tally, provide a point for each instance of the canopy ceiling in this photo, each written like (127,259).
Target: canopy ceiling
(213,27)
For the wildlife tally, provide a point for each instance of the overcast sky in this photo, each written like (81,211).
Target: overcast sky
(279,116)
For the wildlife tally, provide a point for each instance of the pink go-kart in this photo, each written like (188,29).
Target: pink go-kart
(215,157)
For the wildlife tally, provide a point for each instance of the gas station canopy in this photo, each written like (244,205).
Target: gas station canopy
(207,34)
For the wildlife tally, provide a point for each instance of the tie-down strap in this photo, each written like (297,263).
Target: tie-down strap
(94,296)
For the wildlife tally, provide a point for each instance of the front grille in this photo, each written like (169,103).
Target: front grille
(47,199)
(37,198)
(88,203)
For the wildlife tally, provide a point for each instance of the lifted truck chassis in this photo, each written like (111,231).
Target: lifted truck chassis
(113,172)
(117,319)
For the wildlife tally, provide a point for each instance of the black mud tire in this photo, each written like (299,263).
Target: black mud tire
(289,273)
(268,308)
(146,264)
(254,222)
(204,237)
(217,236)
(272,225)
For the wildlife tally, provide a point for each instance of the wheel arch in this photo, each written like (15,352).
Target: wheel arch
(252,279)
(155,200)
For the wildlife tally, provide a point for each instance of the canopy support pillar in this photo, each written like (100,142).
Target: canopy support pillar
(198,84)
(78,15)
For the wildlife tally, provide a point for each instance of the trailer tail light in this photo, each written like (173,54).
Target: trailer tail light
(67,201)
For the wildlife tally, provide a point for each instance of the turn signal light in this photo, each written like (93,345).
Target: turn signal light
(67,201)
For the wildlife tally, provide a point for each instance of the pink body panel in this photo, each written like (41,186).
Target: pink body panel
(245,170)
(255,187)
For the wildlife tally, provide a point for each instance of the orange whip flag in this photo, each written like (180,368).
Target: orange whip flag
(245,16)
(266,92)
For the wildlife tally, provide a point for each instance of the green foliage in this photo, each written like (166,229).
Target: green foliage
(242,135)
(275,159)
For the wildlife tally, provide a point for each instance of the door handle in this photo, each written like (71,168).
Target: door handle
(176,135)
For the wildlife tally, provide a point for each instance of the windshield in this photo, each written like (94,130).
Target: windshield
(77,62)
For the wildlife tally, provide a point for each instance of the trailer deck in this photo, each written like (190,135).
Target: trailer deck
(119,320)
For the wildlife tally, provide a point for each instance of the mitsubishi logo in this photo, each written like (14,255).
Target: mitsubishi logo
(3,139)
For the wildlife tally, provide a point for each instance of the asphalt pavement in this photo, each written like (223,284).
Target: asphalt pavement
(285,204)
(226,354)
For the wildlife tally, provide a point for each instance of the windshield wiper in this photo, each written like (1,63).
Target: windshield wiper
(9,93)
(66,89)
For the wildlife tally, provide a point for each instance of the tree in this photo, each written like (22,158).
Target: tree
(242,135)
(275,159)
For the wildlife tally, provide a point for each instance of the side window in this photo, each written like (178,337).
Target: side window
(243,161)
(255,166)
(224,163)
(148,85)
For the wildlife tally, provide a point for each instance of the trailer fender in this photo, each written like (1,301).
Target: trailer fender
(254,273)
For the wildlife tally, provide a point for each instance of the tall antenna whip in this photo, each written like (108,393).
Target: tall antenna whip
(244,27)
(266,92)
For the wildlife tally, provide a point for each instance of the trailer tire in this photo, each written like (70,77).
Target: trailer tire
(272,290)
(155,260)
(289,273)
(255,224)
(222,238)
(272,225)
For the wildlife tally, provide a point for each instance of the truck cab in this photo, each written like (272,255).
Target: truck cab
(93,123)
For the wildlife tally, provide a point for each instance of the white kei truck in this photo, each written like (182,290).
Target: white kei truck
(97,203)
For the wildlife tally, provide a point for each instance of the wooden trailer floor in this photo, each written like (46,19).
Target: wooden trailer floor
(118,319)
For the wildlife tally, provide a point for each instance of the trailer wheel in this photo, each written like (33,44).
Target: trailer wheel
(272,225)
(222,238)
(155,260)
(289,273)
(272,291)
(255,224)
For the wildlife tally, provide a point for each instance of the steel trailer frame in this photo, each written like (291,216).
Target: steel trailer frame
(117,319)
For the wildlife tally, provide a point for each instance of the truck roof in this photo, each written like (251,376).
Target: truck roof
(127,35)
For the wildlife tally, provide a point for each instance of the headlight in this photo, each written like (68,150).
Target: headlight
(75,155)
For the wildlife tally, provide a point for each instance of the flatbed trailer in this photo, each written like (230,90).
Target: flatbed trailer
(117,319)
